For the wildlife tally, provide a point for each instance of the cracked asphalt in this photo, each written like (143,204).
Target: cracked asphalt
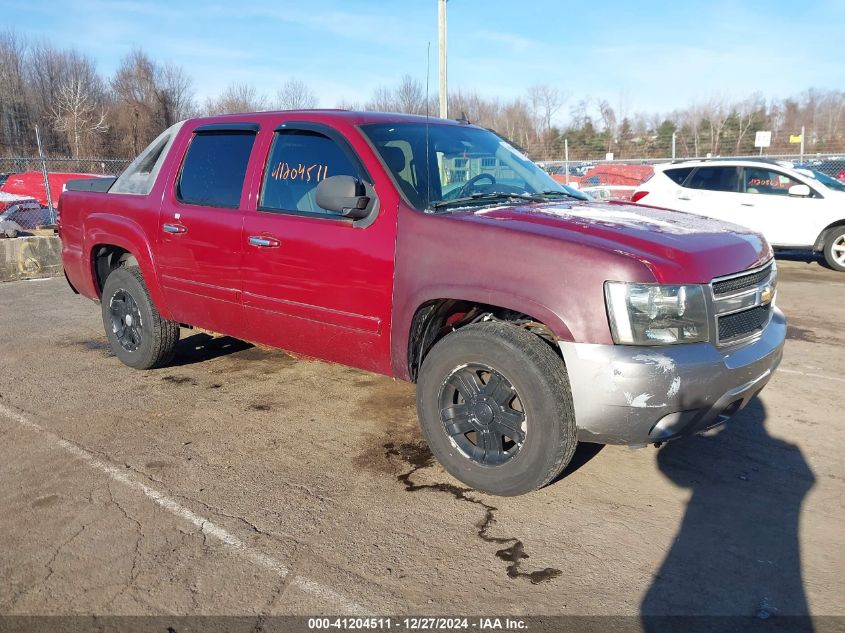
(242,481)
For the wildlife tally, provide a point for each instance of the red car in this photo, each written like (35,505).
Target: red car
(31,183)
(435,252)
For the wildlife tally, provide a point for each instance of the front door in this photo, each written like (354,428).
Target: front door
(766,205)
(314,282)
(200,230)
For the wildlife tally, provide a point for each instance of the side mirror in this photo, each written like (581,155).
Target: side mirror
(802,191)
(345,195)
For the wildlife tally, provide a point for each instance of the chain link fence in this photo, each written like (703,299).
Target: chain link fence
(97,166)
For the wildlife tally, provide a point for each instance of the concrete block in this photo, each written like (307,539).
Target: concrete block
(30,258)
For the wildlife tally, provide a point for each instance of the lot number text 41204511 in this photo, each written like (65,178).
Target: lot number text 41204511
(418,624)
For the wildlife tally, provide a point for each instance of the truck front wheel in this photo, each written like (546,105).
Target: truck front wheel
(495,406)
(137,334)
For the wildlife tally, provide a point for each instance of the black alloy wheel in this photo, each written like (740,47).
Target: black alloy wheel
(126,321)
(482,414)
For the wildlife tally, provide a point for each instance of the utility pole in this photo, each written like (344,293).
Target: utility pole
(802,143)
(674,138)
(441,23)
(566,158)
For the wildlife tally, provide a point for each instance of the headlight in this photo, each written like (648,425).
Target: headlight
(651,314)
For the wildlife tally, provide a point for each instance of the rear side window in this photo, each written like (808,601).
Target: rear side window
(679,174)
(299,161)
(714,179)
(142,172)
(214,169)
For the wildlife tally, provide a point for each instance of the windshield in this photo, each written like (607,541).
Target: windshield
(439,166)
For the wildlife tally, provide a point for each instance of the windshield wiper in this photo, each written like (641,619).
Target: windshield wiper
(485,198)
(565,194)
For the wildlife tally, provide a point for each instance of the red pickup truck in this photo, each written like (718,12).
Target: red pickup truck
(433,251)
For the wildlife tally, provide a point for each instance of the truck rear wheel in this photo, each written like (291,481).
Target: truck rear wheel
(834,248)
(495,406)
(137,334)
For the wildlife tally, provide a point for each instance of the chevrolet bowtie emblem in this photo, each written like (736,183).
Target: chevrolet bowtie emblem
(767,293)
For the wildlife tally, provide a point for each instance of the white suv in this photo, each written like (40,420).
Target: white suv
(794,208)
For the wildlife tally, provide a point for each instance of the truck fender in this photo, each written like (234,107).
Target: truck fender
(102,228)
(474,294)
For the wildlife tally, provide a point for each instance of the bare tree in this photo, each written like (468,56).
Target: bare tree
(410,96)
(382,101)
(238,97)
(343,104)
(175,94)
(136,113)
(746,114)
(479,110)
(296,95)
(147,99)
(15,110)
(692,118)
(608,117)
(716,115)
(78,105)
(546,101)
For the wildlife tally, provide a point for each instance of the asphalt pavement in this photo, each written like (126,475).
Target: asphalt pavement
(243,481)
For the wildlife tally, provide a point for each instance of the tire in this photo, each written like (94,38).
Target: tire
(143,340)
(834,248)
(540,385)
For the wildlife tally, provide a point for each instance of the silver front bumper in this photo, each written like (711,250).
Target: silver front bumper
(638,395)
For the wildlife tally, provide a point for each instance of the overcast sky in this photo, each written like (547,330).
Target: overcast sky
(655,56)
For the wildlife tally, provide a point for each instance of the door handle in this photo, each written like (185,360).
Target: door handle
(747,204)
(263,241)
(174,228)
(682,196)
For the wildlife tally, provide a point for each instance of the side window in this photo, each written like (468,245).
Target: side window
(299,161)
(142,172)
(214,169)
(679,174)
(714,179)
(766,181)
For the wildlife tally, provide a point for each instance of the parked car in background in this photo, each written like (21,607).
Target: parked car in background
(20,213)
(31,183)
(791,207)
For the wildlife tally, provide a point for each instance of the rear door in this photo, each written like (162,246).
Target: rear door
(314,282)
(200,228)
(710,191)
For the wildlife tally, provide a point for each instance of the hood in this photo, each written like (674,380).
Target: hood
(678,247)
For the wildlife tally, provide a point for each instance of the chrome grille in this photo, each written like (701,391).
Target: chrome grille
(743,303)
(742,282)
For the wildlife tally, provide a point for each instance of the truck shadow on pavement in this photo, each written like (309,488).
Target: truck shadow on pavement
(584,452)
(198,348)
(737,551)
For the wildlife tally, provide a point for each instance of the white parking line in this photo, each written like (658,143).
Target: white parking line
(206,527)
(811,375)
